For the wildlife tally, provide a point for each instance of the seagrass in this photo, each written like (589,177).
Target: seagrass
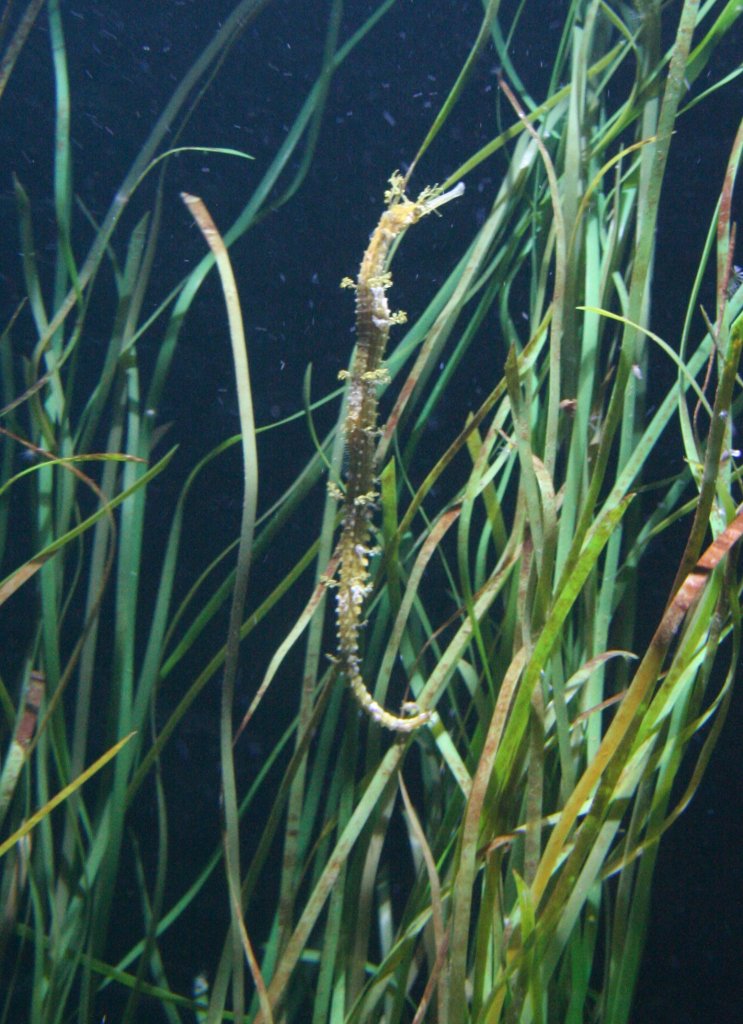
(485,547)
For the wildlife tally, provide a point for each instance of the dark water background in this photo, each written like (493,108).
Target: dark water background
(125,59)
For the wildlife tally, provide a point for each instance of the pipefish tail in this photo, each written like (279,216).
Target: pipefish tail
(373,322)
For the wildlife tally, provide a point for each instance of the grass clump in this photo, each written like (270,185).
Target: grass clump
(495,864)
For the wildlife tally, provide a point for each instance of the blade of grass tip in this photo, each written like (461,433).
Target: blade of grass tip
(323,88)
(309,419)
(308,614)
(176,150)
(247,526)
(29,263)
(228,31)
(482,37)
(504,48)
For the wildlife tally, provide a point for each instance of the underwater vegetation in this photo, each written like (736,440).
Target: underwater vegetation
(378,710)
